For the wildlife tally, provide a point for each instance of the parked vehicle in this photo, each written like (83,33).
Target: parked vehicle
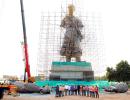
(31,88)
(117,88)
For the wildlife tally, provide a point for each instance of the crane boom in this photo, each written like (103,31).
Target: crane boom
(27,67)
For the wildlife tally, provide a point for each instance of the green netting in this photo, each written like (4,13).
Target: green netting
(100,84)
(81,64)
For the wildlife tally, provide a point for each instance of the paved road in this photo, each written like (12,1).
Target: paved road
(35,96)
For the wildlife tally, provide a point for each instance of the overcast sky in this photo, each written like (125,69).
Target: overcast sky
(115,21)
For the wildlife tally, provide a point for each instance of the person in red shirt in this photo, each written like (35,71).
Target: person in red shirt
(96,92)
(90,91)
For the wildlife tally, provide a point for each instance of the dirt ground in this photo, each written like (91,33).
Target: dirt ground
(108,96)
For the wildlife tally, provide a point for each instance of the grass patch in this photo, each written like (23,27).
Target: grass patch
(129,85)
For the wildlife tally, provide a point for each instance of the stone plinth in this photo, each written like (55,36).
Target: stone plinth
(71,71)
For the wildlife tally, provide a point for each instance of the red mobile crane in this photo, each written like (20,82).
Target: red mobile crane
(27,66)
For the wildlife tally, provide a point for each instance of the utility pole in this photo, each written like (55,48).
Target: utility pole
(27,67)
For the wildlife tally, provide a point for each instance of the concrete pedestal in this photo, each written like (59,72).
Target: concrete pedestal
(71,71)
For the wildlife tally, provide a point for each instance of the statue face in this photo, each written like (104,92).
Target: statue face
(71,10)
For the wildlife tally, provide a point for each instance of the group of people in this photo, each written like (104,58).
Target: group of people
(65,90)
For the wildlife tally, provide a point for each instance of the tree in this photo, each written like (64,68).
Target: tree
(100,77)
(111,73)
(121,73)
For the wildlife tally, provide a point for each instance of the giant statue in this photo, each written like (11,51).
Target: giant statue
(72,38)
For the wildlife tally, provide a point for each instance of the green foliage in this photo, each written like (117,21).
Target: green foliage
(110,74)
(121,73)
(104,77)
(129,85)
(100,78)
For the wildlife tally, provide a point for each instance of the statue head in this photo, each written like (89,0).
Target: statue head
(71,9)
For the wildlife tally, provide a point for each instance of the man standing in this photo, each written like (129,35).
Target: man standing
(96,92)
(57,91)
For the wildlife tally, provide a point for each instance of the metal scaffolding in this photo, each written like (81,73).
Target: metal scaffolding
(51,38)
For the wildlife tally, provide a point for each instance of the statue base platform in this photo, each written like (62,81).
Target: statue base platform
(71,71)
